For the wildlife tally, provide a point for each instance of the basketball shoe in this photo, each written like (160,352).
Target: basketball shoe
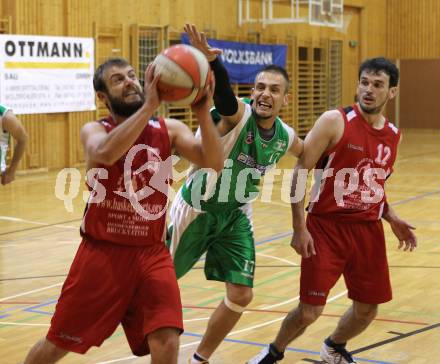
(269,355)
(332,353)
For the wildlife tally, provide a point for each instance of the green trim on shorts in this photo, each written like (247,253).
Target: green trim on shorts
(235,277)
(228,241)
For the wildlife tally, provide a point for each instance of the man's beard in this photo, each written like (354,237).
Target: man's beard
(125,109)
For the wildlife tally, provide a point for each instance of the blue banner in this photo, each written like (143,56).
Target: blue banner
(244,60)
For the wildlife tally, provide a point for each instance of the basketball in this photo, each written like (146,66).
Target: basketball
(184,72)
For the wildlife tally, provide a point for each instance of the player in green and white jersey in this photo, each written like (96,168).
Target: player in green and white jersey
(10,126)
(212,213)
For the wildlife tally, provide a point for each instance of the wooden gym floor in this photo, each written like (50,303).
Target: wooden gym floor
(39,237)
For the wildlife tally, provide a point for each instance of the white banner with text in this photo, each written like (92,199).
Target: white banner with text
(44,74)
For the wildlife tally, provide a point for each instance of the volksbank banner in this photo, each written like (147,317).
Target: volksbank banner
(40,74)
(244,60)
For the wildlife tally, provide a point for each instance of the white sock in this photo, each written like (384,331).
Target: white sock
(200,359)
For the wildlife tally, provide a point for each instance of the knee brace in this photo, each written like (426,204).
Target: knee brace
(233,306)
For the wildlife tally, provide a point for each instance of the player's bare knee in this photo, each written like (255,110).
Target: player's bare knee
(306,318)
(54,354)
(365,312)
(239,295)
(170,344)
(164,340)
(308,314)
(45,352)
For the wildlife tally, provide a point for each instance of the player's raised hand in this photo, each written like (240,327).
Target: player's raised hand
(150,87)
(205,103)
(199,40)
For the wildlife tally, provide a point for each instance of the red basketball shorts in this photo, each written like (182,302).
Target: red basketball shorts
(355,250)
(110,284)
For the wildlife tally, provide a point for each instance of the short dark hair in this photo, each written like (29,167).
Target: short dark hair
(98,78)
(381,64)
(277,69)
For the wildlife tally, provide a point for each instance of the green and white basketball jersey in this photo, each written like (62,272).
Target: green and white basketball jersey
(4,140)
(246,158)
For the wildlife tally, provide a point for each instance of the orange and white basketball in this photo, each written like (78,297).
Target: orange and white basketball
(184,72)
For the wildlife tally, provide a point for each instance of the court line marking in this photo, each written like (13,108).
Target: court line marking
(21,324)
(235,332)
(62,226)
(415,198)
(257,310)
(273,257)
(431,154)
(277,203)
(39,223)
(34,308)
(29,292)
(30,309)
(246,342)
(274,237)
(32,277)
(198,341)
(197,319)
(276,258)
(20,303)
(261,242)
(399,336)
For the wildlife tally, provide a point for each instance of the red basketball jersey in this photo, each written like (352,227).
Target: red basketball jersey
(128,200)
(349,179)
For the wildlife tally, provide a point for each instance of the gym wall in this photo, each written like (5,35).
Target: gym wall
(322,61)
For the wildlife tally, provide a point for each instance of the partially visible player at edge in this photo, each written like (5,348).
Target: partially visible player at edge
(10,126)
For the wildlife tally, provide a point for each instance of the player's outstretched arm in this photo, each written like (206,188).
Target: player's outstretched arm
(324,134)
(206,152)
(13,125)
(230,107)
(199,41)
